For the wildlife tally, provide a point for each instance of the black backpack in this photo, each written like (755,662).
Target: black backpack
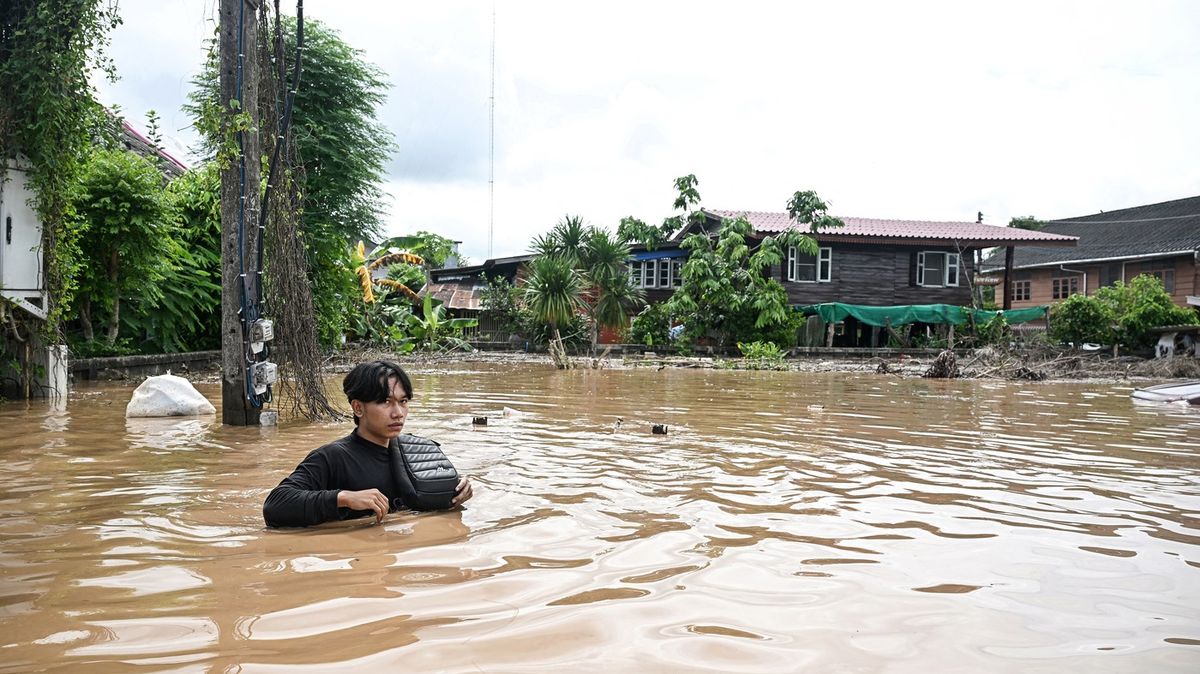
(425,476)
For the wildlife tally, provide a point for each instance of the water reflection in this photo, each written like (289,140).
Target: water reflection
(787,521)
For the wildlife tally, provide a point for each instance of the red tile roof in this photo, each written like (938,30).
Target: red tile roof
(764,221)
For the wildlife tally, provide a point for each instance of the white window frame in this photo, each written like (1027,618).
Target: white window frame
(822,265)
(659,272)
(950,269)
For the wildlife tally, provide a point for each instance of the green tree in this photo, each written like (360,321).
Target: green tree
(188,316)
(688,200)
(1026,222)
(599,259)
(651,326)
(1081,319)
(343,150)
(502,302)
(48,52)
(554,293)
(1121,313)
(1140,306)
(123,221)
(726,291)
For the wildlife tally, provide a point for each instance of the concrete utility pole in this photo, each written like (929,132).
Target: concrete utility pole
(239,204)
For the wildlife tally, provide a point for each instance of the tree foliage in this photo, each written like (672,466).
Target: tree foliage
(602,287)
(1141,305)
(1121,313)
(1081,319)
(150,256)
(48,51)
(1026,222)
(342,148)
(687,200)
(122,220)
(652,326)
(727,292)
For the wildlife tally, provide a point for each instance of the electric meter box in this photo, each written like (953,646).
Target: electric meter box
(20,243)
(265,373)
(262,330)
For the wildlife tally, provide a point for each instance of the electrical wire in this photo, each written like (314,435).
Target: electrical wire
(250,311)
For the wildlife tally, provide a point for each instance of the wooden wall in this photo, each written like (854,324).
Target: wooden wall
(878,276)
(1187,279)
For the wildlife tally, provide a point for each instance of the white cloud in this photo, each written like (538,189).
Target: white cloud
(929,110)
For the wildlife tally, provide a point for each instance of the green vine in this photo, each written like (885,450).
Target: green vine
(48,50)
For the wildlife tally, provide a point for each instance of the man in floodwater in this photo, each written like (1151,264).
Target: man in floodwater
(352,477)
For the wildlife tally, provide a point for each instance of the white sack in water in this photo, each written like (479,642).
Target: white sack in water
(167,396)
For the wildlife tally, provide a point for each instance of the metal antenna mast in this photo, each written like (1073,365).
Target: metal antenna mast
(492,140)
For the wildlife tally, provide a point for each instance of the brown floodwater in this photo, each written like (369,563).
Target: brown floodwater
(787,522)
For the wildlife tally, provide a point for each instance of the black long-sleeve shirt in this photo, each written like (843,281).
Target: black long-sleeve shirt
(309,495)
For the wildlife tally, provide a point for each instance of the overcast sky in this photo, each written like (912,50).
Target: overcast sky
(908,110)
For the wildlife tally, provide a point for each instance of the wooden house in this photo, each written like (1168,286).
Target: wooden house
(1161,239)
(881,262)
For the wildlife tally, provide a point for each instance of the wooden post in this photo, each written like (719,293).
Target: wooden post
(829,334)
(950,337)
(1008,269)
(239,204)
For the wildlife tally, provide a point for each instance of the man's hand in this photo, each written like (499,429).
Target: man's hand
(367,499)
(464,493)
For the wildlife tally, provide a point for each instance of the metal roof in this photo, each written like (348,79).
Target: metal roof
(1155,230)
(901,230)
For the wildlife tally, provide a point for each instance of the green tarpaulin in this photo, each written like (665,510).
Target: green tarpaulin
(835,312)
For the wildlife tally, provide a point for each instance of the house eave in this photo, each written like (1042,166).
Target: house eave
(823,237)
(1095,260)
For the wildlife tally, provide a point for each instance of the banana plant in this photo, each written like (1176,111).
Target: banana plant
(433,330)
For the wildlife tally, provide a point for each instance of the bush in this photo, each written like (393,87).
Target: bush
(1121,313)
(761,355)
(1141,305)
(652,326)
(993,331)
(1080,319)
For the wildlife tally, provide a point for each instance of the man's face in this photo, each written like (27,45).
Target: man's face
(380,422)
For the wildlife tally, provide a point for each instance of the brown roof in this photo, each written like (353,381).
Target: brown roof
(915,230)
(456,295)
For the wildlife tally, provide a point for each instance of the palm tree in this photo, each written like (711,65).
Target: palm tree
(601,286)
(553,292)
(603,261)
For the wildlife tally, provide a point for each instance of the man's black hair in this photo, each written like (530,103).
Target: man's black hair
(369,382)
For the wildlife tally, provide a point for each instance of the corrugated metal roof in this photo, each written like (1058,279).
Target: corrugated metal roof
(465,295)
(767,221)
(1130,233)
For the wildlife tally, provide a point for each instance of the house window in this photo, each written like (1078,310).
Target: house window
(1063,287)
(804,268)
(1164,271)
(1022,290)
(936,269)
(660,273)
(1110,274)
